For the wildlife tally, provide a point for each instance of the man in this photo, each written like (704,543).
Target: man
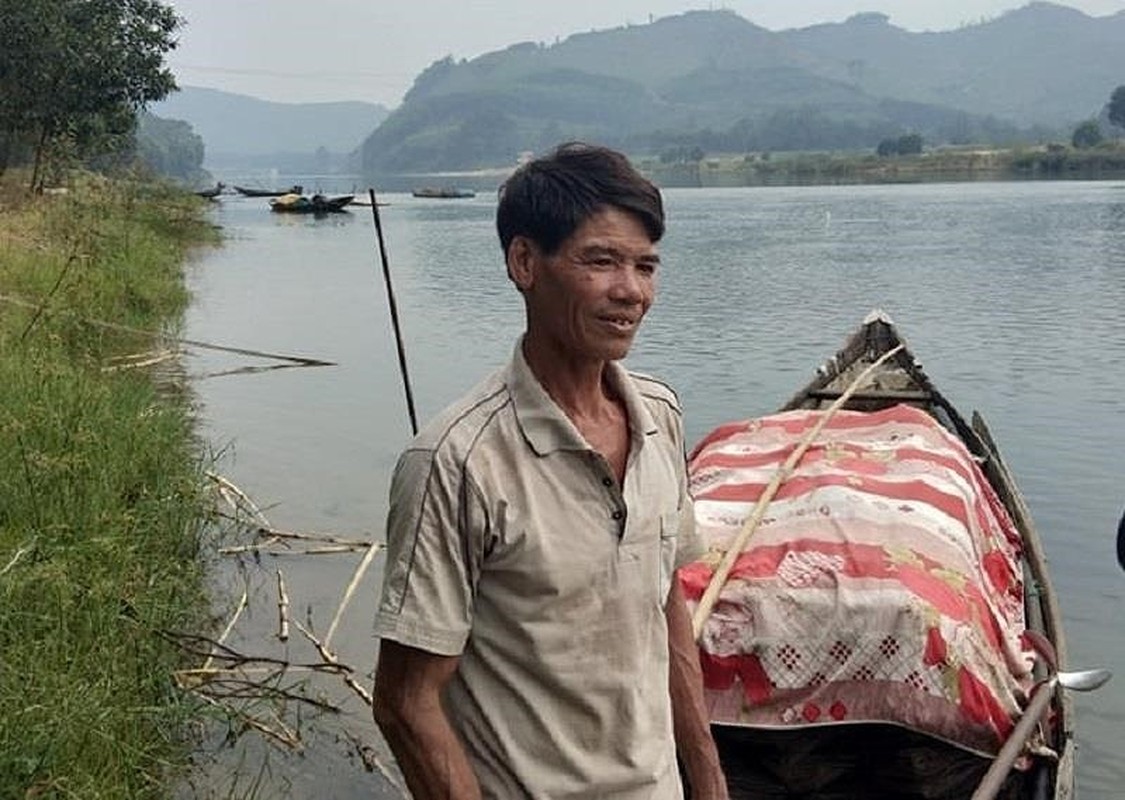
(534,642)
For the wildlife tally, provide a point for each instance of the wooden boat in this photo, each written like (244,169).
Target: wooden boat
(444,192)
(814,757)
(213,192)
(317,204)
(247,191)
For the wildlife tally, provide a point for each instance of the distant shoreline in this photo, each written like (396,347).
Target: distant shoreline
(967,164)
(1051,162)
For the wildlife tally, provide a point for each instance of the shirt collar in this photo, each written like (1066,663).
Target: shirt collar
(547,428)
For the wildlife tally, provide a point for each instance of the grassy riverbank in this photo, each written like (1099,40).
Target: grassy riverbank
(100,501)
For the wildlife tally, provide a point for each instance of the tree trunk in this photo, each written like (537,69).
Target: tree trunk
(39,150)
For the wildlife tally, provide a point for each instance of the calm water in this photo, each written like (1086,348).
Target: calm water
(1012,295)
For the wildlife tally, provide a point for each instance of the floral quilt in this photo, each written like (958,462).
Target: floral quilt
(882,584)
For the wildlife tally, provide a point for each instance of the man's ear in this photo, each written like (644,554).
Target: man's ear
(522,257)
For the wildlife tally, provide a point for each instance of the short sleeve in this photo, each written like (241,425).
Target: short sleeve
(427,597)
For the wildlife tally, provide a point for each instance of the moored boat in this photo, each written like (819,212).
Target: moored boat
(317,204)
(887,613)
(213,192)
(247,191)
(443,192)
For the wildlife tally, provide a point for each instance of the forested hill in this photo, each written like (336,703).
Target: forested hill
(713,80)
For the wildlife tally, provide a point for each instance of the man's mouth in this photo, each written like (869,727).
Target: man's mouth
(621,322)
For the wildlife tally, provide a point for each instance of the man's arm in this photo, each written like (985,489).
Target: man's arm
(694,744)
(408,710)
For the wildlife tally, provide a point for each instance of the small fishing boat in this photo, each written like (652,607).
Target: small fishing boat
(317,204)
(443,192)
(213,192)
(247,191)
(874,613)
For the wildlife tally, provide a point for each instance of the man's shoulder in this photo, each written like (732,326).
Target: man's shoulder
(658,394)
(460,423)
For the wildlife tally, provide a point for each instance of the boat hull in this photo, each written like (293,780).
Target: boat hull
(314,205)
(247,191)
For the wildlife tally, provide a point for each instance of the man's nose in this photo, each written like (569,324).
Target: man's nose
(629,286)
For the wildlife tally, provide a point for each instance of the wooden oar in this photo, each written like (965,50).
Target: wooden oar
(719,578)
(1084,681)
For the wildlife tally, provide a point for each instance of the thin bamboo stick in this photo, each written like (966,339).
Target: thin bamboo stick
(373,762)
(330,658)
(327,538)
(719,578)
(236,549)
(282,609)
(264,547)
(114,326)
(374,548)
(193,678)
(284,736)
(138,360)
(242,604)
(330,538)
(242,496)
(20,553)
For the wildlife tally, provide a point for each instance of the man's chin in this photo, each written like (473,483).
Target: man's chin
(617,350)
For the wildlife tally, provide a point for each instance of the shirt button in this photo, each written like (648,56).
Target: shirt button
(607,482)
(617,515)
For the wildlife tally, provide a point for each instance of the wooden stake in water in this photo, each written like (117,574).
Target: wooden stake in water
(394,312)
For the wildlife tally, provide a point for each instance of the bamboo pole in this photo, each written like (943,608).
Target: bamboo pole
(719,578)
(994,778)
(393,306)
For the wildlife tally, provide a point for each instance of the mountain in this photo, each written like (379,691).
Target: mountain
(245,131)
(1041,64)
(716,81)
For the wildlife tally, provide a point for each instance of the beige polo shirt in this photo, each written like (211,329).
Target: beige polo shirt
(510,544)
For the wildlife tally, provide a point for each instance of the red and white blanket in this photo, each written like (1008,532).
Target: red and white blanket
(882,584)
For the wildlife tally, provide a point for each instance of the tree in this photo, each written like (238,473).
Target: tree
(909,144)
(1087,134)
(170,147)
(1116,107)
(76,72)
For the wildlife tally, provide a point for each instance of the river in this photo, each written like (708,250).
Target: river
(1011,294)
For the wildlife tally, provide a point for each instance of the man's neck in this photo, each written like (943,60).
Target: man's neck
(579,387)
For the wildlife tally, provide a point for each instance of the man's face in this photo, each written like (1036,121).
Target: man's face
(587,300)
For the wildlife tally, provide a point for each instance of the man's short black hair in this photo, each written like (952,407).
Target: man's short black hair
(547,199)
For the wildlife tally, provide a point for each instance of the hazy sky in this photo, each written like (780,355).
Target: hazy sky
(302,51)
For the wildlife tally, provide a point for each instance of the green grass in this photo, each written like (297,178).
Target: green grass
(100,500)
